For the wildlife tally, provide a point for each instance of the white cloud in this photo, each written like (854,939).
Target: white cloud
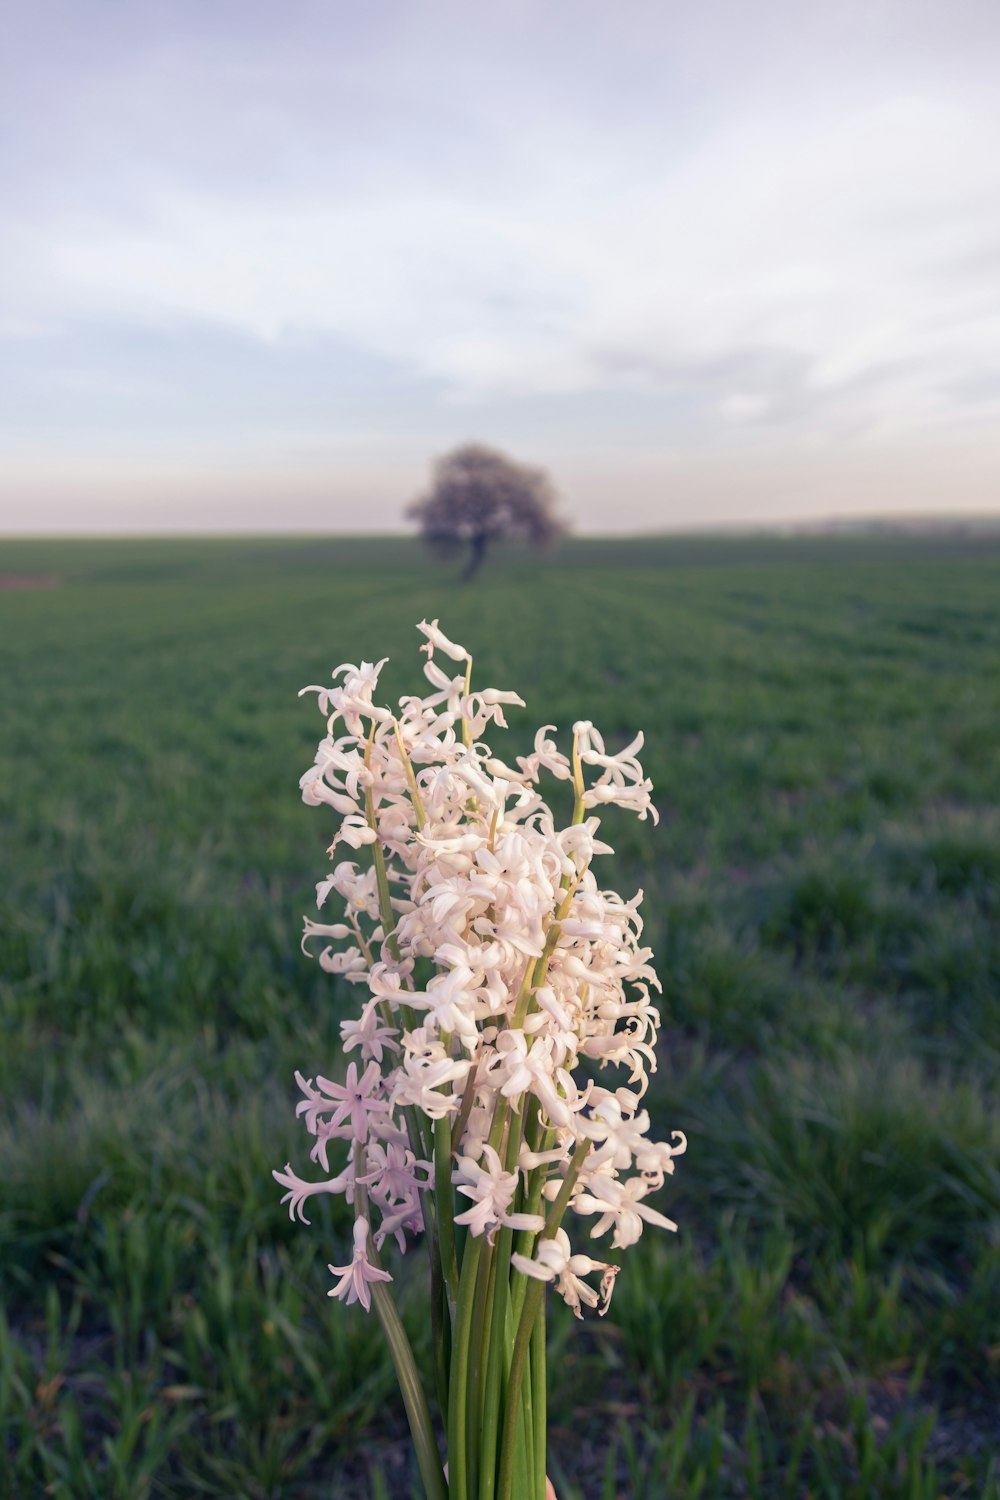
(769,228)
(832,241)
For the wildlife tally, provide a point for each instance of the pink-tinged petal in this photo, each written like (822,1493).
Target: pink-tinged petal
(532,1222)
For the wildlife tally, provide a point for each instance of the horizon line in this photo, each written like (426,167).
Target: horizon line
(831,523)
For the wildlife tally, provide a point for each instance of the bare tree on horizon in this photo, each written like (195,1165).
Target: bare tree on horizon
(478,496)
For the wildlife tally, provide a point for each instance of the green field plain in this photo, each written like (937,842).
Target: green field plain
(822,720)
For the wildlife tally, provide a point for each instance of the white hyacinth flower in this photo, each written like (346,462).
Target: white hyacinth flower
(506,1011)
(359,1273)
(555,1261)
(491,1190)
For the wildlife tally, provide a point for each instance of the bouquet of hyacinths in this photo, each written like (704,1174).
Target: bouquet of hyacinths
(497,978)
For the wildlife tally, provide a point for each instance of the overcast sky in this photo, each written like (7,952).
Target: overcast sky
(732,261)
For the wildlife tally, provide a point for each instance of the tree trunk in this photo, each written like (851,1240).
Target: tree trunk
(477,553)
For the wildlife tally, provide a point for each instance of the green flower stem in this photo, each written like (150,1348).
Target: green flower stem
(532,1302)
(539,1400)
(378,855)
(524,1436)
(418,1413)
(384,899)
(523,1446)
(465,1108)
(488,1392)
(445,1206)
(440,1327)
(411,776)
(414,1400)
(466,726)
(458,1462)
(578,784)
(414,1120)
(535,974)
(499,1123)
(526,1238)
(414,1128)
(499,1341)
(478,1358)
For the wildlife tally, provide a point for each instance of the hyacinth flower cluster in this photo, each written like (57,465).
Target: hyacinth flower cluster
(499,1055)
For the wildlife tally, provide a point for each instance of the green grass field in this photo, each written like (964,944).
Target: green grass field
(822,894)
